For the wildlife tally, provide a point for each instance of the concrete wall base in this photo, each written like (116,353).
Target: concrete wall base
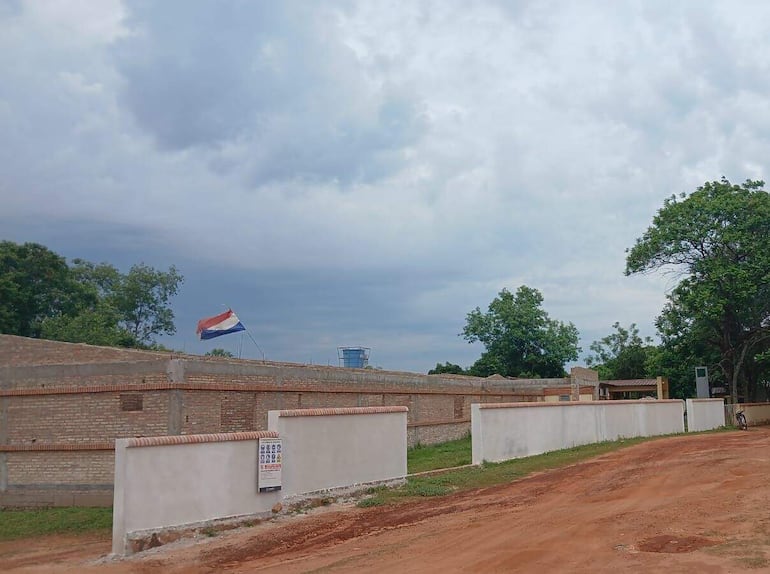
(140,541)
(47,498)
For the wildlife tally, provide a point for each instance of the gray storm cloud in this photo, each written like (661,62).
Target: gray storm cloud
(272,80)
(362,173)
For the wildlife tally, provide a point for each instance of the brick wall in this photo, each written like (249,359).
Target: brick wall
(58,478)
(19,351)
(85,418)
(62,405)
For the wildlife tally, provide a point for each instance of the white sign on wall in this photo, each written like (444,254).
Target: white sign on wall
(269,458)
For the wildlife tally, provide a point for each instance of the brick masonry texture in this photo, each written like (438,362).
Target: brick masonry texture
(62,405)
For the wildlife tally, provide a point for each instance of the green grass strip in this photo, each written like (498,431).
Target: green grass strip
(445,455)
(40,521)
(489,474)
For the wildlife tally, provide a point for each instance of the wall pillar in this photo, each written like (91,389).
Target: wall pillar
(175,373)
(3,440)
(662,384)
(175,411)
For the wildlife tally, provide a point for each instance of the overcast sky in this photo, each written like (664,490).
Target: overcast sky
(366,173)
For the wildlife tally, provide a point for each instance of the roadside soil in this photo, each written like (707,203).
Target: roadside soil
(676,505)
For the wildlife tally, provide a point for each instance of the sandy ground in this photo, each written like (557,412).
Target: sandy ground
(683,504)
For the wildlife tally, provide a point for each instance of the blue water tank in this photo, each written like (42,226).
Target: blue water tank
(355,357)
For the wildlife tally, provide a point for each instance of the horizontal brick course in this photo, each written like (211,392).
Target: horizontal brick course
(57,446)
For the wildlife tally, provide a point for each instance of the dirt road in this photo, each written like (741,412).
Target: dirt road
(683,504)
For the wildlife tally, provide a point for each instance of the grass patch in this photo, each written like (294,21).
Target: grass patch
(37,522)
(488,474)
(445,455)
(369,502)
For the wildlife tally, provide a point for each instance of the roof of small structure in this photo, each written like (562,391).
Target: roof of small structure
(630,383)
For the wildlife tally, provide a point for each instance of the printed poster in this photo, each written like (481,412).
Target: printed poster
(269,460)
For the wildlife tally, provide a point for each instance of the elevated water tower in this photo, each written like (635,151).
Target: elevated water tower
(353,357)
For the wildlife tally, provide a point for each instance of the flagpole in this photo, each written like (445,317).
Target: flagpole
(255,343)
(245,330)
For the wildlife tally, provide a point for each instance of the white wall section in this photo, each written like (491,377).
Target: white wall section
(175,481)
(515,430)
(705,414)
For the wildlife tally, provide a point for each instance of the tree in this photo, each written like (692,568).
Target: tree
(116,309)
(447,368)
(97,325)
(520,339)
(718,239)
(141,298)
(219,353)
(34,284)
(683,347)
(621,355)
(40,295)
(137,302)
(93,319)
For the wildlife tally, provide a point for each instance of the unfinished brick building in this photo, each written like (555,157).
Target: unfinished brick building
(62,405)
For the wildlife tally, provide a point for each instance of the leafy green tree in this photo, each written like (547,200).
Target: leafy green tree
(718,239)
(142,297)
(34,284)
(100,279)
(487,365)
(622,354)
(521,340)
(93,318)
(447,368)
(116,309)
(684,345)
(220,353)
(40,295)
(96,325)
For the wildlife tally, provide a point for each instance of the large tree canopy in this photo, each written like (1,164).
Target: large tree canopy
(42,296)
(622,354)
(521,340)
(35,283)
(718,239)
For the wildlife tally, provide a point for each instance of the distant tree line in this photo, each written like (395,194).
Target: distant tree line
(44,296)
(717,241)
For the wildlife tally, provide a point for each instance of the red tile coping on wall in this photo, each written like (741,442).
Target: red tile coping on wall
(198,438)
(248,388)
(342,411)
(573,404)
(104,445)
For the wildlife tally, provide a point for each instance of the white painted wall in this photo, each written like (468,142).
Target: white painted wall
(705,414)
(172,481)
(171,485)
(339,450)
(515,430)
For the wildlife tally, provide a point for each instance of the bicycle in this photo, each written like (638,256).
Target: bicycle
(740,419)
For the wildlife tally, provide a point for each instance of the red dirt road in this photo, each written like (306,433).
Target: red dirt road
(684,504)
